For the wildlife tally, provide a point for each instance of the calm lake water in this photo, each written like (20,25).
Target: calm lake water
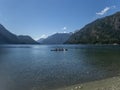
(36,67)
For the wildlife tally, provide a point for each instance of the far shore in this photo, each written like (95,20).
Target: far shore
(105,84)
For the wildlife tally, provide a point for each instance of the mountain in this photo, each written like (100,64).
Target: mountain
(41,40)
(102,31)
(58,38)
(26,40)
(7,37)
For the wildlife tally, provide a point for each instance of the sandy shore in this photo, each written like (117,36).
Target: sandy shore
(106,84)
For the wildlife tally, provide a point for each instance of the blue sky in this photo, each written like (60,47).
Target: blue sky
(40,18)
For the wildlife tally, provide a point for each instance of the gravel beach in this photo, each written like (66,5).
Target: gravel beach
(106,84)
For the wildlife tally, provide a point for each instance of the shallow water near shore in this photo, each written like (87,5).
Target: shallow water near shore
(36,67)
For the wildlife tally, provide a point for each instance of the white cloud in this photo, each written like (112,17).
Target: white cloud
(64,32)
(64,28)
(105,10)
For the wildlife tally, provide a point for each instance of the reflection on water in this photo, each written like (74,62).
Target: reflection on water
(35,67)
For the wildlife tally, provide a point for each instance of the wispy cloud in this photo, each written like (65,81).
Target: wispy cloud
(113,7)
(105,10)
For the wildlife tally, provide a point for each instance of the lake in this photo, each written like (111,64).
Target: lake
(36,67)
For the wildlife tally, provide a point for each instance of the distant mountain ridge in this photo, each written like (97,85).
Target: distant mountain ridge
(102,31)
(7,37)
(25,39)
(58,38)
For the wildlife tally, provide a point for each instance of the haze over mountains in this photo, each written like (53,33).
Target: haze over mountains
(102,31)
(58,38)
(7,37)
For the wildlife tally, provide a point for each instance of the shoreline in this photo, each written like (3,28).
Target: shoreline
(105,84)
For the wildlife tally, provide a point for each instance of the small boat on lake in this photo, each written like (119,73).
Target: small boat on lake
(59,49)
